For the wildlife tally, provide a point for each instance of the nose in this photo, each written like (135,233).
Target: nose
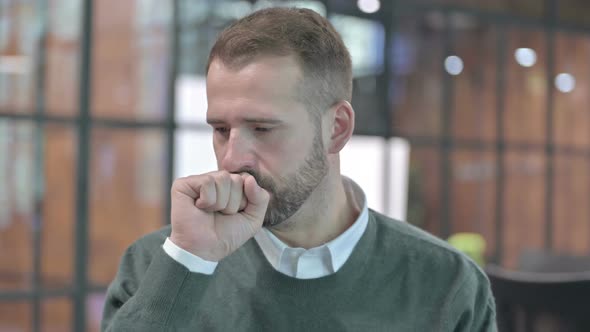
(237,153)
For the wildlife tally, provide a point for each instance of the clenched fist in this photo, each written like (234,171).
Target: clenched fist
(214,214)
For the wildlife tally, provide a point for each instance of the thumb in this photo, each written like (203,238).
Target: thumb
(257,198)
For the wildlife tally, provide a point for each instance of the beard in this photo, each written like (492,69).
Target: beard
(288,193)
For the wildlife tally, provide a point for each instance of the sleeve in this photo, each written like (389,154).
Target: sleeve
(191,262)
(151,292)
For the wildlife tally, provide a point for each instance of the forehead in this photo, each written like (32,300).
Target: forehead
(267,82)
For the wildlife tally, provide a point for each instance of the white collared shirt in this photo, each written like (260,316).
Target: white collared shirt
(299,263)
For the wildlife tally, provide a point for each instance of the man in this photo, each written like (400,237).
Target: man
(277,239)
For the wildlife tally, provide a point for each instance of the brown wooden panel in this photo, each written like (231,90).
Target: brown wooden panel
(525,89)
(56,315)
(424,189)
(417,84)
(524,204)
(127,194)
(474,98)
(571,116)
(130,59)
(571,215)
(62,55)
(15,316)
(59,206)
(16,204)
(474,194)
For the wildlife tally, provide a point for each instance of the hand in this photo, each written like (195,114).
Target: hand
(214,214)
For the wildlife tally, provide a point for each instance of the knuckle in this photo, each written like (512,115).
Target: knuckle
(225,178)
(176,184)
(179,182)
(235,176)
(220,178)
(209,178)
(237,180)
(179,185)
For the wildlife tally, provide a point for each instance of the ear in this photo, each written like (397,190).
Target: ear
(342,126)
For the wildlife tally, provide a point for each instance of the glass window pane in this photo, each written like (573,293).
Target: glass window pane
(571,86)
(399,172)
(127,194)
(18,53)
(56,315)
(416,61)
(474,194)
(194,48)
(191,100)
(94,309)
(17,211)
(424,188)
(526,88)
(524,201)
(193,153)
(57,242)
(368,101)
(202,20)
(62,49)
(474,92)
(131,59)
(15,316)
(16,204)
(571,210)
(365,40)
(368,173)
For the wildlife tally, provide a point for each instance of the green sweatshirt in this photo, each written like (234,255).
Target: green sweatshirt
(398,278)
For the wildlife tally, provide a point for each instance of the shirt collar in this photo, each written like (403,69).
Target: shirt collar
(338,250)
(342,246)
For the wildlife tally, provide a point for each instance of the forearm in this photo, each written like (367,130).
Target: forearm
(161,299)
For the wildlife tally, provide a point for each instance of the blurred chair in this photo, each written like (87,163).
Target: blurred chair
(541,301)
(545,261)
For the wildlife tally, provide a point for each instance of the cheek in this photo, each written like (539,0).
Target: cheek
(217,149)
(287,154)
(271,157)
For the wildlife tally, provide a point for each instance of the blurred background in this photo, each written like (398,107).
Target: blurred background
(472,116)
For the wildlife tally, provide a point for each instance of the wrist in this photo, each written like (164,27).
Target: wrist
(194,250)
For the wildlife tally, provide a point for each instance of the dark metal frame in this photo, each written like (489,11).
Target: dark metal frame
(84,135)
(445,144)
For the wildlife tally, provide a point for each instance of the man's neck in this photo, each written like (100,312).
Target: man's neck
(325,215)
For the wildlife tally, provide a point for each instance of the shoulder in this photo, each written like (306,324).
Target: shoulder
(140,252)
(439,270)
(423,250)
(154,239)
(395,233)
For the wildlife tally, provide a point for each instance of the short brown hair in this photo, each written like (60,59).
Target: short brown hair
(303,33)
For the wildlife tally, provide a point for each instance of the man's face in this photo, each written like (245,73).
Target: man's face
(262,128)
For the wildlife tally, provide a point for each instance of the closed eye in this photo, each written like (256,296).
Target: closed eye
(262,129)
(222,130)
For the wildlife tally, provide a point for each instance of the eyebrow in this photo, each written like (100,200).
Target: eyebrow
(248,120)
